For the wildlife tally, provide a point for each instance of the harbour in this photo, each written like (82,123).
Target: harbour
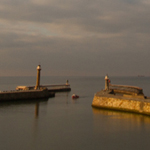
(74,75)
(72,123)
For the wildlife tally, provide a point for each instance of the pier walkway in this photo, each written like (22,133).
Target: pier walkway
(51,88)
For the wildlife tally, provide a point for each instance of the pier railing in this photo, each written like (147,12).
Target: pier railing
(125,89)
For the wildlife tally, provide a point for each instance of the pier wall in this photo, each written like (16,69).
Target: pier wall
(141,106)
(51,88)
(22,95)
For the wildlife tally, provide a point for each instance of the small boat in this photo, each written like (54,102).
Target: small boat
(75,96)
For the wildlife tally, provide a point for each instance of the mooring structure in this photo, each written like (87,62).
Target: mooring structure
(51,88)
(122,98)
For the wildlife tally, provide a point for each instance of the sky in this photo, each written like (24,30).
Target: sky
(75,37)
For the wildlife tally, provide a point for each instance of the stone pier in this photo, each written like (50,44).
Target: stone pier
(122,103)
(122,98)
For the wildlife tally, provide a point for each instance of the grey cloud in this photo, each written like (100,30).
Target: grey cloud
(94,16)
(63,55)
(75,37)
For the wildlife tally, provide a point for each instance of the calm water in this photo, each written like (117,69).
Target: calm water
(66,124)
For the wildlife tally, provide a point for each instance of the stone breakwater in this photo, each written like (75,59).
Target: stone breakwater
(25,95)
(121,103)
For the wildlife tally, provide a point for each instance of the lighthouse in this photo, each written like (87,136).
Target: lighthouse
(106,83)
(38,77)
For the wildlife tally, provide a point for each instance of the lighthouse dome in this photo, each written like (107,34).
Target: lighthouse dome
(39,67)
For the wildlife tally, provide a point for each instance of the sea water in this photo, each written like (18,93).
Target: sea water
(67,124)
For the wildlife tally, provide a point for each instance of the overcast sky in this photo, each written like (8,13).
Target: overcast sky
(75,37)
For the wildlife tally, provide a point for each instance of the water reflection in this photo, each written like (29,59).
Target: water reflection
(21,102)
(119,121)
(22,106)
(36,109)
(67,94)
(118,114)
